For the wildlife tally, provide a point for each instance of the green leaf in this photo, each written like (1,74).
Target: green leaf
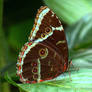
(79,36)
(62,83)
(8,78)
(19,33)
(70,11)
(83,59)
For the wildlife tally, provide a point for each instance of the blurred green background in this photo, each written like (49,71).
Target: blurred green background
(16,21)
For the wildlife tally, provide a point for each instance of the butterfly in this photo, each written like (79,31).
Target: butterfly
(45,55)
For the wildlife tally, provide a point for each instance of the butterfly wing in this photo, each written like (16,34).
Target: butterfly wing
(48,27)
(39,62)
(45,19)
(58,40)
(45,56)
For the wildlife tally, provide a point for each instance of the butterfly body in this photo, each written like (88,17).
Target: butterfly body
(45,56)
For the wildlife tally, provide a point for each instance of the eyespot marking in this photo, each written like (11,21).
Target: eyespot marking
(43,35)
(48,30)
(35,76)
(43,53)
(35,70)
(34,64)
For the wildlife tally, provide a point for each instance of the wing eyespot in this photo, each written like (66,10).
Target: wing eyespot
(43,35)
(35,76)
(34,70)
(43,53)
(48,30)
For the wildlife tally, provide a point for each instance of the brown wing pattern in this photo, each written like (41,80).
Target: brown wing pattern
(45,56)
(48,20)
(40,65)
(58,37)
(58,42)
